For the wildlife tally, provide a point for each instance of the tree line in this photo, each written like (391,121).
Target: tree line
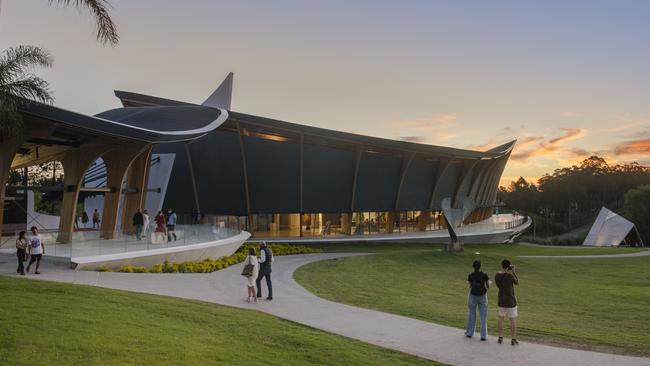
(571,197)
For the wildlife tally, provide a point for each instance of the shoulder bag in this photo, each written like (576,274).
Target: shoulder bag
(248,268)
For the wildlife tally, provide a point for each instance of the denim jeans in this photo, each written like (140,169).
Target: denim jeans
(138,232)
(264,273)
(472,303)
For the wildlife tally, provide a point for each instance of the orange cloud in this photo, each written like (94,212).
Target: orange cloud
(521,143)
(633,147)
(437,126)
(580,152)
(544,148)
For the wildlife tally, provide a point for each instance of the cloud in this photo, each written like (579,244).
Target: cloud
(580,152)
(418,139)
(570,114)
(542,147)
(437,127)
(632,147)
(627,123)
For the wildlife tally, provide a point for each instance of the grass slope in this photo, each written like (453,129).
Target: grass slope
(46,323)
(599,304)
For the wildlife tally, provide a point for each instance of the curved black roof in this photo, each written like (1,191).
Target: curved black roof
(151,124)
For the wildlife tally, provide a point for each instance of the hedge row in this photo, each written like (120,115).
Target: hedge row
(210,265)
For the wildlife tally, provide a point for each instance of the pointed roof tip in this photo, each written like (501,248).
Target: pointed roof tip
(503,148)
(222,96)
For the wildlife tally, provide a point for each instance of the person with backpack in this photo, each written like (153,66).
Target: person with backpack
(479,283)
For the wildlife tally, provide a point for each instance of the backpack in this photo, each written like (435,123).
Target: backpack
(478,285)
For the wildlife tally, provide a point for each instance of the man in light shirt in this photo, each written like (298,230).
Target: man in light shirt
(265,261)
(171,225)
(36,249)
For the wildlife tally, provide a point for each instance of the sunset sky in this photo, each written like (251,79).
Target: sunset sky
(565,78)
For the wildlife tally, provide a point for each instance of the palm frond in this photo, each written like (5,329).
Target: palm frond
(106,29)
(30,87)
(18,87)
(16,60)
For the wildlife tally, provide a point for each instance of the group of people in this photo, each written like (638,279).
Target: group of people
(29,248)
(261,268)
(84,219)
(165,225)
(479,283)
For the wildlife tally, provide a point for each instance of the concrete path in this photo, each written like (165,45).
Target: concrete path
(644,253)
(292,302)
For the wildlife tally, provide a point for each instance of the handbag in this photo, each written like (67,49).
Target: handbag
(248,268)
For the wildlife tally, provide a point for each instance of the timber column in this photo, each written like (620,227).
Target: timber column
(346,223)
(138,177)
(75,163)
(423,220)
(390,222)
(9,149)
(117,163)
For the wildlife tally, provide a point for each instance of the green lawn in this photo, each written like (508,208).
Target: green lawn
(600,304)
(46,323)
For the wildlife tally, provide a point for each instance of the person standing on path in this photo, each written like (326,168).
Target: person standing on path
(138,222)
(21,252)
(266,259)
(250,280)
(506,280)
(36,250)
(479,283)
(171,224)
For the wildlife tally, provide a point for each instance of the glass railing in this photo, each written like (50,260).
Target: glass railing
(100,243)
(95,242)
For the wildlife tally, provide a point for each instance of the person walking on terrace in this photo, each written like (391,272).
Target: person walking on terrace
(138,222)
(96,219)
(477,297)
(21,252)
(84,218)
(146,221)
(171,224)
(254,268)
(36,249)
(506,280)
(161,229)
(266,260)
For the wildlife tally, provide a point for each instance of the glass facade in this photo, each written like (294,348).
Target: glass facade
(341,224)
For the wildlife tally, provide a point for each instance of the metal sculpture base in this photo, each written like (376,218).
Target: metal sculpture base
(455,247)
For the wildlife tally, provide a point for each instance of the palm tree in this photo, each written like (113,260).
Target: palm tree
(106,30)
(17,85)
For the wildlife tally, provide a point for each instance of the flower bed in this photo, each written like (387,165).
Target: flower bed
(211,265)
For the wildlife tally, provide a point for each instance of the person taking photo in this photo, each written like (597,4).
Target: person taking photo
(506,279)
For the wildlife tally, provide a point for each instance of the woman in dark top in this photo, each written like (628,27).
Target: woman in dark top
(478,286)
(21,252)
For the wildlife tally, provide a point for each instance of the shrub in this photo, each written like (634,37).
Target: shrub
(210,265)
(158,268)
